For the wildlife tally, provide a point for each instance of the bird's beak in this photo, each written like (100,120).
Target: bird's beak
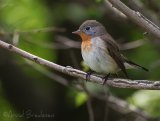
(77,32)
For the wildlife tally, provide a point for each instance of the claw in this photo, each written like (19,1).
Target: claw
(88,75)
(105,78)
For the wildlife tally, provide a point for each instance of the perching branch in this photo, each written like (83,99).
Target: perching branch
(120,83)
(137,18)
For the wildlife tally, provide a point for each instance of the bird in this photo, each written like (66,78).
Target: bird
(101,52)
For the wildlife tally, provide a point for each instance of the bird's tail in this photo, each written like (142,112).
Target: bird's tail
(132,64)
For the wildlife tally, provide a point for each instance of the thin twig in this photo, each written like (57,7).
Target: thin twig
(132,44)
(62,43)
(119,16)
(90,110)
(120,83)
(48,45)
(33,31)
(107,94)
(68,42)
(137,18)
(89,103)
(125,105)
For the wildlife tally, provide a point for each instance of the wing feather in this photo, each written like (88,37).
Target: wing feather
(114,52)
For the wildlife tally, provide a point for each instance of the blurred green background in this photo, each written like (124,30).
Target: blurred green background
(32,92)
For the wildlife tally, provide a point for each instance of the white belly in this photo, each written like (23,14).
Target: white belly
(99,60)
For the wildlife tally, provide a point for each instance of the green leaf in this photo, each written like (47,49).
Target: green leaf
(80,98)
(147,100)
(84,66)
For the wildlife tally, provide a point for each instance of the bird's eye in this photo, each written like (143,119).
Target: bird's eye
(88,28)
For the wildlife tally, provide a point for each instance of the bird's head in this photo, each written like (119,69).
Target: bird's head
(90,28)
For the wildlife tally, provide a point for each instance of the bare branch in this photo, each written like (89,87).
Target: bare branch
(90,110)
(120,83)
(89,102)
(132,44)
(62,43)
(115,12)
(68,42)
(137,18)
(33,31)
(124,107)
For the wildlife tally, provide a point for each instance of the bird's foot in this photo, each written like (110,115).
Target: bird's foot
(105,78)
(88,75)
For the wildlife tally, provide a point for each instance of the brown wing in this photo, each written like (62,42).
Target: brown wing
(114,52)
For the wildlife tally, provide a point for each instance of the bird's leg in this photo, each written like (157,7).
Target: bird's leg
(105,78)
(88,75)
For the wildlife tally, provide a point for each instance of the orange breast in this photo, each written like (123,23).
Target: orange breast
(86,42)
